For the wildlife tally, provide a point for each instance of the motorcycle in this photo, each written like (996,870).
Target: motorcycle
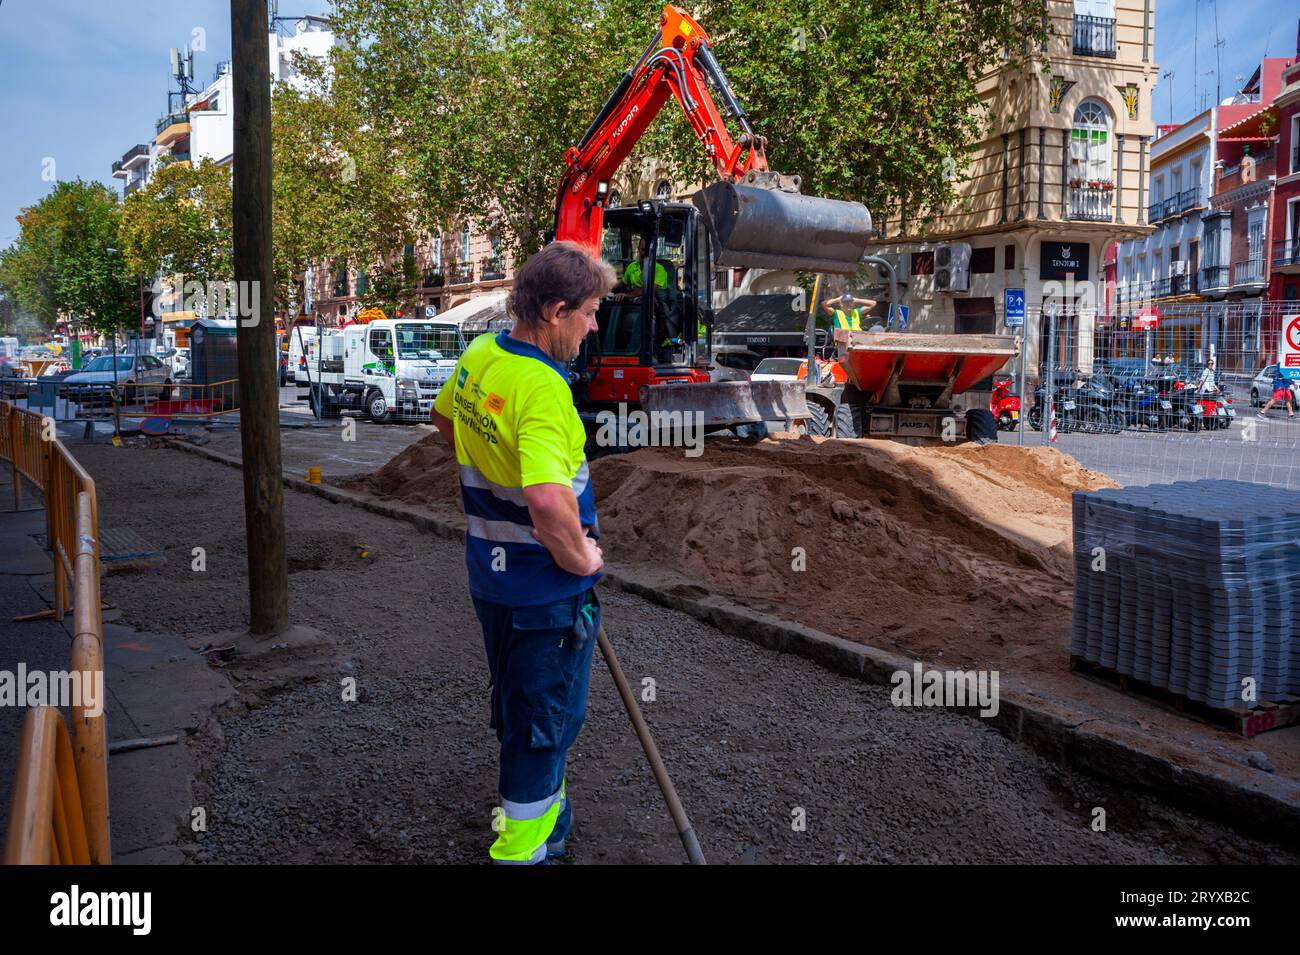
(1177,410)
(1004,405)
(1216,410)
(1138,405)
(1082,408)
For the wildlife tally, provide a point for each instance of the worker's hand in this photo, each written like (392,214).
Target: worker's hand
(595,558)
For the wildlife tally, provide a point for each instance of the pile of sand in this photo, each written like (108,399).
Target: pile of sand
(931,549)
(425,473)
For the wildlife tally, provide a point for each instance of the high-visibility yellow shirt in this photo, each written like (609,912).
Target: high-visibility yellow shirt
(633,277)
(515,427)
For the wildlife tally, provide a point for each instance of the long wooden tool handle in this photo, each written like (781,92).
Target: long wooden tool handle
(683,824)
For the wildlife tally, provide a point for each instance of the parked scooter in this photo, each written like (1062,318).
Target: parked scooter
(1082,408)
(1004,405)
(1137,404)
(1216,410)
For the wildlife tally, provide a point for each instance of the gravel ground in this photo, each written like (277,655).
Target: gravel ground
(292,773)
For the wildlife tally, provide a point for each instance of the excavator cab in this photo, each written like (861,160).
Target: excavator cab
(654,326)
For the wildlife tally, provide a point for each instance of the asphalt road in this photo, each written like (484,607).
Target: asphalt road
(1264,452)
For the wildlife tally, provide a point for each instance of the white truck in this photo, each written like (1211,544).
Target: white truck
(391,369)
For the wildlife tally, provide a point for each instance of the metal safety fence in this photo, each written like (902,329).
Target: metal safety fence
(66,402)
(59,809)
(1191,391)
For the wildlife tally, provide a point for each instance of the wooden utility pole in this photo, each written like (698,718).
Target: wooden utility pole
(259,391)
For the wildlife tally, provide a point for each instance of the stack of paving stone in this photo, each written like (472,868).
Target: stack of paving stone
(1196,587)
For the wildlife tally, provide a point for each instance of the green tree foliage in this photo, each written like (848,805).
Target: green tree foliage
(874,100)
(180,223)
(342,184)
(476,101)
(68,263)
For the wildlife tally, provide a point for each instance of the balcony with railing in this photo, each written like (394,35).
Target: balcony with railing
(460,273)
(1248,274)
(1160,287)
(1133,293)
(172,127)
(1286,255)
(1094,36)
(1091,203)
(135,156)
(1175,205)
(132,186)
(1183,284)
(490,270)
(1214,277)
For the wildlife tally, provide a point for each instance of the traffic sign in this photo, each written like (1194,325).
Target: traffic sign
(1013,314)
(1288,358)
(1146,319)
(900,315)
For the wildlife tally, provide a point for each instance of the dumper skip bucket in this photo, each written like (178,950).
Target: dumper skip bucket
(721,404)
(770,228)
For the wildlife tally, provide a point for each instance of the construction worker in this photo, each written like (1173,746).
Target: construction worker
(531,536)
(846,311)
(634,274)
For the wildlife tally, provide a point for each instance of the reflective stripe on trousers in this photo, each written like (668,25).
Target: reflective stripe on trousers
(540,662)
(523,829)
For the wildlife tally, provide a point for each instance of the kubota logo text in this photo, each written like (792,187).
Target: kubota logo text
(626,119)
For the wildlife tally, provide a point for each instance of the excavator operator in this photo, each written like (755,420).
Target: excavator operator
(667,317)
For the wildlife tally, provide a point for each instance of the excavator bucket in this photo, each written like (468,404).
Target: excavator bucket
(726,403)
(759,226)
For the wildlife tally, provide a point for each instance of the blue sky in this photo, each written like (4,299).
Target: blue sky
(81,81)
(1186,27)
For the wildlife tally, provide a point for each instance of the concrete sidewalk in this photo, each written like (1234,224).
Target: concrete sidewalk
(155,685)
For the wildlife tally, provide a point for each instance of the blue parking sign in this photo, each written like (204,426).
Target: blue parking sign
(1013,315)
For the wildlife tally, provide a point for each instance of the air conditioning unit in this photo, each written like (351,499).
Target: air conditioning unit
(952,267)
(901,261)
(1178,268)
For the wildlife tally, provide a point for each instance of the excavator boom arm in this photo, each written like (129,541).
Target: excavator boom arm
(678,62)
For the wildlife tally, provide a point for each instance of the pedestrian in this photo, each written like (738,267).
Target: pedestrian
(1206,384)
(531,534)
(1281,395)
(846,311)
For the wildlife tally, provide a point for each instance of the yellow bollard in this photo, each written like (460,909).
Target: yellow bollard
(313,475)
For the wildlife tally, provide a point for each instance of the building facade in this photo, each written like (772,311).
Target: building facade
(1203,279)
(1058,177)
(201,127)
(1285,284)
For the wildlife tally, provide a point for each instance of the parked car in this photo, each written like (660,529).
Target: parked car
(96,378)
(181,363)
(777,369)
(733,363)
(1261,387)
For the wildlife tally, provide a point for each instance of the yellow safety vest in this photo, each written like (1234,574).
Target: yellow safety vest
(851,320)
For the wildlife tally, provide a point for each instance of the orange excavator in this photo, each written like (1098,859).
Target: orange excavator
(652,346)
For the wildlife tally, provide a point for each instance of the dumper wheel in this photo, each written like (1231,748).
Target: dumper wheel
(848,420)
(981,426)
(850,414)
(819,420)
